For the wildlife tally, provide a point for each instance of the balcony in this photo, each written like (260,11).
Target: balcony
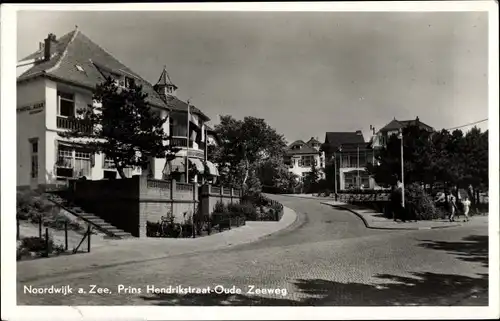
(72,124)
(180,142)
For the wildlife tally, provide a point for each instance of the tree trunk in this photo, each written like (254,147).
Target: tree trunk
(119,168)
(120,171)
(247,168)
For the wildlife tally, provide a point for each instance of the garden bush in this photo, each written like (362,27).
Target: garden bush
(420,205)
(32,207)
(37,246)
(220,207)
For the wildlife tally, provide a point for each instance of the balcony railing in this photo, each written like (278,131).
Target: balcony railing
(180,142)
(72,124)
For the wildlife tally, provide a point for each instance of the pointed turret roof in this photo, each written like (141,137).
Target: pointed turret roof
(94,63)
(165,79)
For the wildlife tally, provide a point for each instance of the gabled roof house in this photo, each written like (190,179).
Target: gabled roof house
(57,80)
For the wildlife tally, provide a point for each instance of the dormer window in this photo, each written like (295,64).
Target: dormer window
(129,82)
(79,68)
(120,82)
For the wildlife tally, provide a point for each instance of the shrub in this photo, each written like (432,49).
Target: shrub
(249,211)
(420,204)
(220,207)
(22,252)
(153,229)
(34,243)
(58,222)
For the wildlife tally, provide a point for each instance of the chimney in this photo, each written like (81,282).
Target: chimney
(49,46)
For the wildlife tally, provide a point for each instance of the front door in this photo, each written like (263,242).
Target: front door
(34,163)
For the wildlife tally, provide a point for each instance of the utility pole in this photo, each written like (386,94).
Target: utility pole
(187,144)
(402,171)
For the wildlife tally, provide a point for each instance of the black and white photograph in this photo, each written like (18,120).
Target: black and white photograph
(217,158)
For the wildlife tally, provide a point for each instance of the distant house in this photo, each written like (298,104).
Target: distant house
(351,154)
(393,128)
(300,157)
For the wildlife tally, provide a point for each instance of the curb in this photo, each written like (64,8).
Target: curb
(221,246)
(390,228)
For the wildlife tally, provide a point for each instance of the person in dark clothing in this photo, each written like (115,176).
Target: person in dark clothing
(398,209)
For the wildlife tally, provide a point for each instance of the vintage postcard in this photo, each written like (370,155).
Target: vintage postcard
(250,161)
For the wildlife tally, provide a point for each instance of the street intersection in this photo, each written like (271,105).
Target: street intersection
(327,257)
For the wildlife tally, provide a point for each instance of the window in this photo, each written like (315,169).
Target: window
(307,161)
(34,146)
(34,158)
(129,82)
(108,163)
(120,82)
(73,162)
(79,68)
(66,104)
(365,180)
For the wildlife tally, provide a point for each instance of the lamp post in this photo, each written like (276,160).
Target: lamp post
(187,143)
(400,136)
(335,170)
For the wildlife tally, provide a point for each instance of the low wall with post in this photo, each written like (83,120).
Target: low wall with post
(159,198)
(130,203)
(210,195)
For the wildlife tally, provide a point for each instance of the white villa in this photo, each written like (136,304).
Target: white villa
(57,80)
(301,156)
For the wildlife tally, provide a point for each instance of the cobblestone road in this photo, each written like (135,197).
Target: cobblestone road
(327,257)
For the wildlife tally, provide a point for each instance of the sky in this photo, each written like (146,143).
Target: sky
(305,73)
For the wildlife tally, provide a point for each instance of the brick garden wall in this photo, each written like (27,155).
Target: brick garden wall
(210,195)
(130,203)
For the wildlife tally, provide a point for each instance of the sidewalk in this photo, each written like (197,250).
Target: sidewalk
(376,220)
(117,252)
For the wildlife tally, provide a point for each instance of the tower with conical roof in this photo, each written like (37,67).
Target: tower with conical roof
(165,87)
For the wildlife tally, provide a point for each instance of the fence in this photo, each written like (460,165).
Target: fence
(47,241)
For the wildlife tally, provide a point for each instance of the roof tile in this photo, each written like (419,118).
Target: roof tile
(335,139)
(84,52)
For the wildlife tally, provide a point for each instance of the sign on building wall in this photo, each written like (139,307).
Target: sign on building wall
(32,109)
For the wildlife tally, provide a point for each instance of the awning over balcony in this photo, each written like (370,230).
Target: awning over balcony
(212,169)
(178,165)
(198,164)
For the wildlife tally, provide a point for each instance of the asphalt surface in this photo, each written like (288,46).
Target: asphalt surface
(327,257)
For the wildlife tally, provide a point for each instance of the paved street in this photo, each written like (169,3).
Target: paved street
(327,257)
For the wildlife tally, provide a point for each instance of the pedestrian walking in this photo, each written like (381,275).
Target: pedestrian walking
(466,206)
(452,206)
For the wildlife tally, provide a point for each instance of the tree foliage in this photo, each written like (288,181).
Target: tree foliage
(243,145)
(312,178)
(123,127)
(452,159)
(273,172)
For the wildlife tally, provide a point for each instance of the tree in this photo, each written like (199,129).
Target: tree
(123,127)
(453,159)
(417,158)
(330,174)
(273,172)
(243,144)
(311,179)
